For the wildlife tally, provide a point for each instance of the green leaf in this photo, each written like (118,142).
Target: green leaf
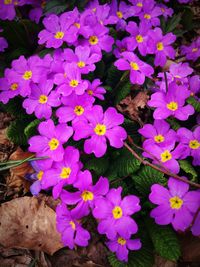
(172,23)
(56,6)
(146,177)
(31,128)
(122,92)
(188,168)
(194,102)
(173,123)
(165,240)
(114,262)
(98,165)
(15,131)
(113,76)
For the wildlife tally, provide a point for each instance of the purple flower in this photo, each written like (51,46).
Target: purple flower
(94,90)
(139,36)
(104,16)
(9,87)
(166,12)
(68,224)
(99,127)
(191,52)
(49,142)
(35,14)
(159,133)
(161,46)
(87,194)
(196,226)
(57,31)
(176,205)
(83,57)
(70,81)
(7,8)
(172,103)
(3,44)
(41,100)
(138,69)
(194,83)
(163,155)
(63,172)
(75,107)
(150,13)
(122,46)
(122,245)
(189,144)
(114,214)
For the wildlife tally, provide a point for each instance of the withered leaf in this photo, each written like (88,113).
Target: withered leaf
(28,222)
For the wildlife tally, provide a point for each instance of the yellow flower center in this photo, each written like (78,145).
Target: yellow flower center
(40,174)
(93,40)
(72,225)
(100,129)
(59,35)
(160,46)
(176,202)
(165,156)
(27,75)
(90,92)
(139,4)
(78,110)
(14,86)
(159,138)
(81,64)
(134,65)
(119,14)
(147,16)
(172,105)
(87,195)
(121,241)
(7,2)
(73,83)
(65,173)
(117,212)
(53,144)
(194,144)
(139,38)
(194,50)
(77,25)
(43,99)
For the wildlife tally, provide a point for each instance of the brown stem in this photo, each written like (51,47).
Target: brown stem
(165,171)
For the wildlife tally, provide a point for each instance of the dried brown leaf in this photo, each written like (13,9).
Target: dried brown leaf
(28,222)
(159,261)
(190,246)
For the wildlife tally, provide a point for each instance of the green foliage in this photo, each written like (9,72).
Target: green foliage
(98,165)
(113,76)
(131,128)
(173,123)
(56,6)
(194,102)
(145,178)
(14,107)
(164,239)
(188,168)
(171,24)
(15,131)
(122,91)
(100,68)
(31,128)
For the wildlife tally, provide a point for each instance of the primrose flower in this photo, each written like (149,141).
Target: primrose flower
(70,81)
(41,100)
(63,172)
(7,8)
(138,69)
(159,133)
(166,12)
(139,36)
(172,103)
(150,13)
(104,14)
(122,46)
(87,194)
(194,83)
(49,142)
(9,87)
(3,44)
(191,52)
(83,57)
(122,245)
(196,226)
(189,144)
(57,30)
(176,205)
(68,224)
(114,214)
(94,90)
(100,126)
(160,46)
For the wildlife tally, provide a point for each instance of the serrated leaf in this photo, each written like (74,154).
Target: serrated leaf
(55,7)
(113,76)
(98,165)
(114,262)
(173,123)
(31,128)
(165,240)
(146,177)
(188,168)
(194,102)
(15,131)
(122,92)
(173,23)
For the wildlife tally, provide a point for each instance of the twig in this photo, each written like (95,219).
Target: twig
(165,171)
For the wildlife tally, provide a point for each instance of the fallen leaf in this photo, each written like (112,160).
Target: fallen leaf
(28,222)
(190,247)
(161,262)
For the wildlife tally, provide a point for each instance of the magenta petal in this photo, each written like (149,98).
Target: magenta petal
(82,237)
(182,219)
(134,244)
(122,253)
(159,194)
(102,209)
(126,226)
(177,188)
(192,200)
(84,180)
(38,143)
(70,198)
(107,227)
(116,136)
(162,214)
(114,196)
(96,144)
(112,118)
(101,187)
(130,205)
